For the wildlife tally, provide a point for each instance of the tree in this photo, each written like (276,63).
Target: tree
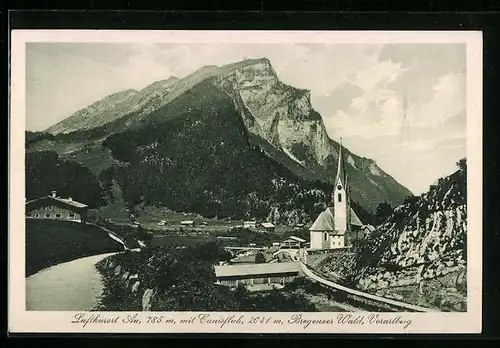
(462,164)
(383,211)
(260,258)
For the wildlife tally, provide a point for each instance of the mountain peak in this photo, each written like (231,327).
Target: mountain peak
(162,83)
(258,63)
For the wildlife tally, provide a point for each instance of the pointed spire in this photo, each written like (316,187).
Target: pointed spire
(341,172)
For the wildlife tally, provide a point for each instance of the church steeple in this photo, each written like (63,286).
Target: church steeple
(341,172)
(341,196)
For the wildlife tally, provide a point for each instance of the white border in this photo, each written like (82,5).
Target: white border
(22,321)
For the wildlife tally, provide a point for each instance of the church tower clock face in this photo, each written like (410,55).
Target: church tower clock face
(339,187)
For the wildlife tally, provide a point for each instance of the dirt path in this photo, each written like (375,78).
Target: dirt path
(69,286)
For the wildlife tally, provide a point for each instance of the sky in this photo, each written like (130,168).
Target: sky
(402,105)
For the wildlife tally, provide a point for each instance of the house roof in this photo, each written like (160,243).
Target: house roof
(67,201)
(256,269)
(326,222)
(297,239)
(267,225)
(369,228)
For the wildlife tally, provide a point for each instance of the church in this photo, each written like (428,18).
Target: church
(338,225)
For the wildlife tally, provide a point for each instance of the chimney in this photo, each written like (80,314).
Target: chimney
(54,193)
(70,199)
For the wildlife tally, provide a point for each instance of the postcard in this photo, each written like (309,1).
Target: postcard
(245,182)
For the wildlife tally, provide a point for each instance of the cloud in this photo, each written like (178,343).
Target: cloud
(448,100)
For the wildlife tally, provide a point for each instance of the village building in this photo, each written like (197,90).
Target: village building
(249,224)
(367,229)
(338,225)
(257,274)
(292,243)
(267,226)
(56,208)
(187,223)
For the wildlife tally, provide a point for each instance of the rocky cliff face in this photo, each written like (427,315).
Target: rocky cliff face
(424,239)
(283,120)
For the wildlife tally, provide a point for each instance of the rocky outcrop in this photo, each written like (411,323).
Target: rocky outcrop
(147,298)
(119,277)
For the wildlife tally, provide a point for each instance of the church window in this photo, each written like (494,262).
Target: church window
(47,215)
(58,215)
(339,197)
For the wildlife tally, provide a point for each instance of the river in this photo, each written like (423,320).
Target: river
(70,286)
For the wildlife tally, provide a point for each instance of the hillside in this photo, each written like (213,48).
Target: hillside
(95,115)
(50,242)
(46,172)
(272,125)
(419,253)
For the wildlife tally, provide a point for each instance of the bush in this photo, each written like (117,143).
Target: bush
(260,258)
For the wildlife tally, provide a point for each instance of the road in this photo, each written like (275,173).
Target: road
(69,286)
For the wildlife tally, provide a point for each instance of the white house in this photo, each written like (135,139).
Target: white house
(187,223)
(56,208)
(249,224)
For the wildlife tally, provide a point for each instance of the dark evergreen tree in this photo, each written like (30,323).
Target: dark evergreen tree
(383,212)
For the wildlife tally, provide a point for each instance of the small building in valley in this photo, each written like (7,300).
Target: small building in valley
(187,223)
(292,243)
(267,226)
(257,274)
(249,224)
(56,208)
(366,230)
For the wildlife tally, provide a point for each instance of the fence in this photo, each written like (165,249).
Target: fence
(370,299)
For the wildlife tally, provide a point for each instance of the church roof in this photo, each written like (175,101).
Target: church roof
(355,221)
(326,222)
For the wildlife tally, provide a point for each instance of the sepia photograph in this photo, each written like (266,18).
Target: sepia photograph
(293,176)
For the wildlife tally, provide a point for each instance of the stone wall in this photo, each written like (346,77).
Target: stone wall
(130,284)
